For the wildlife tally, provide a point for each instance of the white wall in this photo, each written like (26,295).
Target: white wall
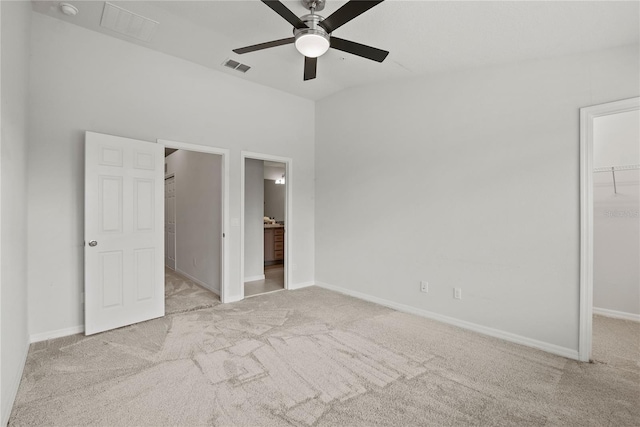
(14,337)
(82,80)
(616,222)
(616,140)
(480,190)
(253,220)
(273,172)
(275,197)
(198,183)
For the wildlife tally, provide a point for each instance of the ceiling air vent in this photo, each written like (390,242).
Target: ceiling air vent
(128,23)
(236,65)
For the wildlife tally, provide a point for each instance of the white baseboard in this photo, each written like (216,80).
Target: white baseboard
(254,278)
(496,333)
(59,333)
(616,314)
(199,282)
(43,336)
(9,397)
(301,285)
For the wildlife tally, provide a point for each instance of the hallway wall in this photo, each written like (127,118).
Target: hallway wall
(253,220)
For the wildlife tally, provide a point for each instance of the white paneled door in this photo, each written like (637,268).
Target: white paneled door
(124,218)
(170,222)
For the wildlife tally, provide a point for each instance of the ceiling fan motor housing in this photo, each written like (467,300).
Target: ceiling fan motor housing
(311,20)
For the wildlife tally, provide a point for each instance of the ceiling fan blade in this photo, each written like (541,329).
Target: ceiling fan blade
(310,66)
(266,45)
(283,11)
(346,13)
(362,50)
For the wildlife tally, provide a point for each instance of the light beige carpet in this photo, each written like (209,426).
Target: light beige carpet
(182,294)
(315,357)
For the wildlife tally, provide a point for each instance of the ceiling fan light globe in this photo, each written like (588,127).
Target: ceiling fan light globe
(312,45)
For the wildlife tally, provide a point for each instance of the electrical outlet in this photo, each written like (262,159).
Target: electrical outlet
(424,286)
(457,293)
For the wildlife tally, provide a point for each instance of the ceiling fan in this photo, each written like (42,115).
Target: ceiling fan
(312,32)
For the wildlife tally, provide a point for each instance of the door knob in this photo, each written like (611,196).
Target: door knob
(93,243)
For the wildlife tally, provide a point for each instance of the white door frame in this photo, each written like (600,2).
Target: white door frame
(224,285)
(288,212)
(587,116)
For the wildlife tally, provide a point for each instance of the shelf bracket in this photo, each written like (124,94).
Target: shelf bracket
(613,174)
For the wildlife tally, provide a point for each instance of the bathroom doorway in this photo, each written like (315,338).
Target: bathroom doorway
(266,224)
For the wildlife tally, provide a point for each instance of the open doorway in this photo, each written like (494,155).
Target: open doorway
(193,230)
(610,232)
(266,224)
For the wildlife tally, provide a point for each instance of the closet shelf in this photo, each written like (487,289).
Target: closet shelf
(617,168)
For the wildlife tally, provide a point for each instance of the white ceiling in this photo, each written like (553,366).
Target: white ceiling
(423,37)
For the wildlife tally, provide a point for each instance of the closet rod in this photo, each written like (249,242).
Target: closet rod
(614,169)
